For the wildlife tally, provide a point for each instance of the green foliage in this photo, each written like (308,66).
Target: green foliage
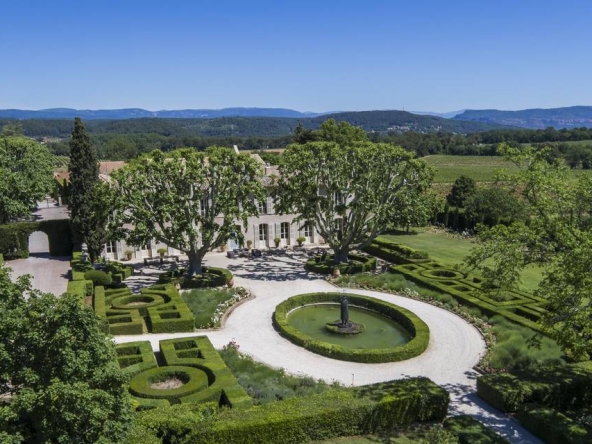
(357,263)
(178,199)
(200,353)
(58,369)
(14,237)
(418,330)
(98,277)
(157,309)
(385,406)
(26,169)
(208,278)
(561,387)
(494,205)
(552,426)
(349,187)
(394,252)
(265,384)
(209,305)
(512,348)
(83,200)
(462,191)
(557,236)
(471,431)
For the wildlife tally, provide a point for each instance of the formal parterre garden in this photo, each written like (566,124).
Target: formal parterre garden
(191,372)
(518,306)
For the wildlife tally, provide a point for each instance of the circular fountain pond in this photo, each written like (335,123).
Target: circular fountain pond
(390,333)
(379,331)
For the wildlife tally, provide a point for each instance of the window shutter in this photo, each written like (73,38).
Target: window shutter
(292,233)
(119,247)
(255,235)
(269,205)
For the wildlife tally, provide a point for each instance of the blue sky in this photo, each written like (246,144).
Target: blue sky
(307,55)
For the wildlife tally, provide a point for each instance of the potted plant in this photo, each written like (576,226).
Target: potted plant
(277,242)
(161,252)
(128,254)
(249,244)
(300,240)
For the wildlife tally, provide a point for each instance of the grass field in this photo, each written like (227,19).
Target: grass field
(479,168)
(448,250)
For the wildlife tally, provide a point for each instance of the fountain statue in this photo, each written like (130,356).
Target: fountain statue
(344,311)
(344,326)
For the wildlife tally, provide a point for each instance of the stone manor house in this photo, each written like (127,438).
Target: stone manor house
(261,230)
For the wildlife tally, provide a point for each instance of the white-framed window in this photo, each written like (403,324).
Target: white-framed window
(263,232)
(203,202)
(285,230)
(339,198)
(262,206)
(111,247)
(308,229)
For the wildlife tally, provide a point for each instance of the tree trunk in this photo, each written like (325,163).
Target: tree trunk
(194,264)
(340,255)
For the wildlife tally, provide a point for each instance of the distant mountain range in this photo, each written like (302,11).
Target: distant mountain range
(243,126)
(138,113)
(570,117)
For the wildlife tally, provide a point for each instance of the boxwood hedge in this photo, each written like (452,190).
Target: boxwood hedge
(562,387)
(209,378)
(211,277)
(552,426)
(414,325)
(358,263)
(470,431)
(338,412)
(157,309)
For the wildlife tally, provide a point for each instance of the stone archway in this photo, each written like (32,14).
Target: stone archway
(38,243)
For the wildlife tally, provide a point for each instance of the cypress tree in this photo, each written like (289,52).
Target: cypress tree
(84,176)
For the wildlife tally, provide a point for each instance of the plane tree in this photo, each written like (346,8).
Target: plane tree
(58,370)
(348,188)
(556,236)
(188,200)
(26,169)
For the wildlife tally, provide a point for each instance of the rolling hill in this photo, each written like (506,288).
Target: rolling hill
(537,118)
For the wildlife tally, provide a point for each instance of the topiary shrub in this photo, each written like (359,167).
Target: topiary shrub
(98,278)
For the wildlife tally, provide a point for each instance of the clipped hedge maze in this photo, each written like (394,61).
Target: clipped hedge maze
(157,309)
(193,372)
(517,306)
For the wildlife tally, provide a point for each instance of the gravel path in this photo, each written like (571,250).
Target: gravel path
(455,345)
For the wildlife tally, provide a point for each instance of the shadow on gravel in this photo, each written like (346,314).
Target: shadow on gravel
(466,401)
(272,269)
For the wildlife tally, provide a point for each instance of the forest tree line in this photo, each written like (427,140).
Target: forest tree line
(126,139)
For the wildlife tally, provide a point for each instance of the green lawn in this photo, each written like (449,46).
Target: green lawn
(203,304)
(479,168)
(446,249)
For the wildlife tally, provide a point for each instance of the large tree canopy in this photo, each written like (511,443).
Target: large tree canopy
(186,199)
(58,370)
(84,207)
(26,172)
(348,190)
(558,237)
